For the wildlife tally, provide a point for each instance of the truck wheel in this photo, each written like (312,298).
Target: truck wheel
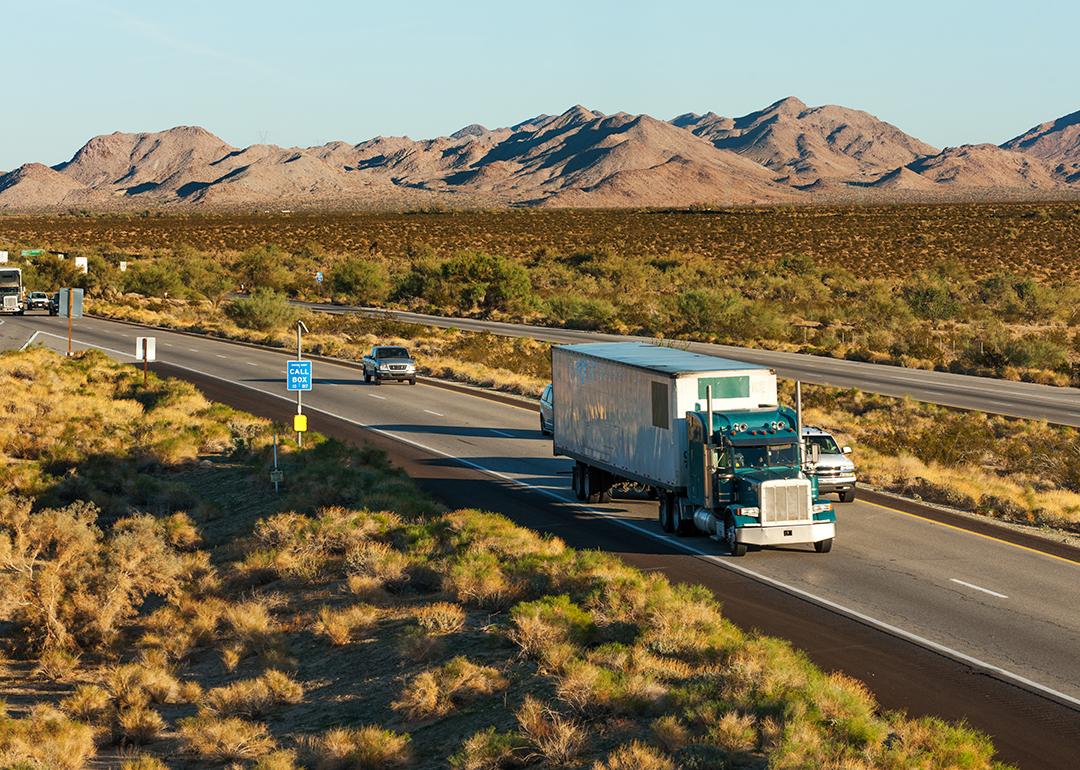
(735,548)
(593,490)
(578,480)
(367,377)
(378,380)
(667,519)
(847,497)
(823,546)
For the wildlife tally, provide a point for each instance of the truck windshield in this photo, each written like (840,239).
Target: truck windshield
(772,456)
(391,353)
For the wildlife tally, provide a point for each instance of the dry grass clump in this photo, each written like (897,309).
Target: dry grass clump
(441,618)
(252,697)
(361,748)
(635,756)
(488,750)
(228,739)
(437,692)
(45,738)
(341,625)
(552,737)
(250,629)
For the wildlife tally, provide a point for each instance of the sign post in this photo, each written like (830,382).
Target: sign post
(299,378)
(71,302)
(145,350)
(276,475)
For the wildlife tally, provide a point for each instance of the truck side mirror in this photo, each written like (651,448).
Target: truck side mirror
(846,450)
(815,453)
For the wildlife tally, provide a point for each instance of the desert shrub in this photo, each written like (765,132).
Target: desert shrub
(360,281)
(551,736)
(89,703)
(137,723)
(437,692)
(477,577)
(154,279)
(230,739)
(671,733)
(441,618)
(361,748)
(487,750)
(549,620)
(340,625)
(45,738)
(72,586)
(263,267)
(469,280)
(264,311)
(577,312)
(635,756)
(250,629)
(252,697)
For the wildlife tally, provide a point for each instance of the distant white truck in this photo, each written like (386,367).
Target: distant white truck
(12,294)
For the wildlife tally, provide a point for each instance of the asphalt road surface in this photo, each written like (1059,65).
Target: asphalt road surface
(935,619)
(1015,399)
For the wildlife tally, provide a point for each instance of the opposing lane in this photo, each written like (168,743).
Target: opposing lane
(897,569)
(1016,399)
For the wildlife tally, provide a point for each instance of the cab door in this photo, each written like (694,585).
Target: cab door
(695,459)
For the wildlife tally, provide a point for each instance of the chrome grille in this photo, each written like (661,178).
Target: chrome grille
(785,500)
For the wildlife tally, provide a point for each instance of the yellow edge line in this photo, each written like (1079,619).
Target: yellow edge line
(972,532)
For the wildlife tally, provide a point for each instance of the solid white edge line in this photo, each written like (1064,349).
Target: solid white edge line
(712,558)
(978,588)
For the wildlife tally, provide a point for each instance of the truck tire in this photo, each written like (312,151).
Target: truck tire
(594,487)
(735,548)
(847,497)
(578,480)
(683,527)
(823,546)
(667,518)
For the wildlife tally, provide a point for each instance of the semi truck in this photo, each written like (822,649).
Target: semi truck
(705,434)
(12,294)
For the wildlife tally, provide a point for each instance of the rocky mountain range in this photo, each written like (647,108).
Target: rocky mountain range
(787,152)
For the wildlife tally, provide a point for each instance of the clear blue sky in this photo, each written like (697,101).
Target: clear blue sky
(302,73)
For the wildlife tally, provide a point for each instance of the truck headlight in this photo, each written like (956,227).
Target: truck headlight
(821,507)
(755,512)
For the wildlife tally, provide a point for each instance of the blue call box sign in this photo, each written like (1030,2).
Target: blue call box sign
(299,375)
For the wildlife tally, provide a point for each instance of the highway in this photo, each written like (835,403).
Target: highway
(935,619)
(1015,399)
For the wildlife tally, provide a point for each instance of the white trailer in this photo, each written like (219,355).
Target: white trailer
(620,407)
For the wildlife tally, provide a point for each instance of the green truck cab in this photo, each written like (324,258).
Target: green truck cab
(746,483)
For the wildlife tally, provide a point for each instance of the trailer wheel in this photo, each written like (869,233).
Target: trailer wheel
(667,518)
(823,546)
(594,490)
(578,480)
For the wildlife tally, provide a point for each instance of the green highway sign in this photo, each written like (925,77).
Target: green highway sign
(32,252)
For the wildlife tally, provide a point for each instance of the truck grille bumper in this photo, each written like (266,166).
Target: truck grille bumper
(785,500)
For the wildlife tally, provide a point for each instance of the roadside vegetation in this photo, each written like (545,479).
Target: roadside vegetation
(163,608)
(978,288)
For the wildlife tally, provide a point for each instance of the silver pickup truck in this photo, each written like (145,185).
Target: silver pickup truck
(389,362)
(834,470)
